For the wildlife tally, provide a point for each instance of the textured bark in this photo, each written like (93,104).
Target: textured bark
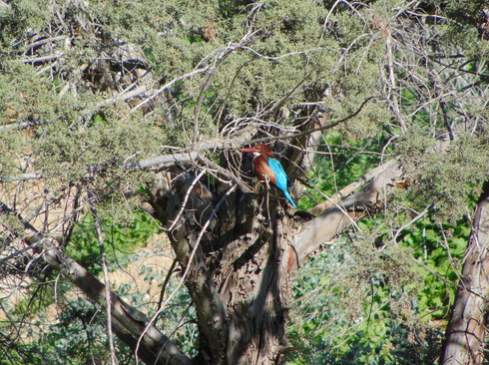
(234,276)
(464,338)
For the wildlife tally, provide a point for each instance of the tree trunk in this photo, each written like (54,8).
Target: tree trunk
(464,339)
(234,258)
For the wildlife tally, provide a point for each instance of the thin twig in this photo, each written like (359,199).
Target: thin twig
(165,283)
(103,259)
(185,200)
(412,221)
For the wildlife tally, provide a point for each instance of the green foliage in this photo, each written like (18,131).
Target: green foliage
(446,180)
(293,41)
(468,16)
(71,151)
(367,299)
(342,160)
(27,96)
(344,306)
(356,304)
(119,239)
(77,337)
(439,250)
(22,15)
(172,37)
(42,295)
(66,342)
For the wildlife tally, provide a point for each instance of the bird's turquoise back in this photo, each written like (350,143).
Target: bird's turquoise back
(281,179)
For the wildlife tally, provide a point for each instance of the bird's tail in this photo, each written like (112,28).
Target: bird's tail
(289,199)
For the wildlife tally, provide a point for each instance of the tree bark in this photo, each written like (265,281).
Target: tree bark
(464,338)
(343,209)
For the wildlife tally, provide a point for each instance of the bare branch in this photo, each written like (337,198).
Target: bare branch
(103,259)
(333,220)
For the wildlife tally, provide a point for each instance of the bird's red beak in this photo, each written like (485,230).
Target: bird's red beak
(249,149)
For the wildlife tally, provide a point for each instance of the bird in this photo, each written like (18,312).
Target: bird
(270,169)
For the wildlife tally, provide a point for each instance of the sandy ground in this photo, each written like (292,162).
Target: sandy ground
(146,272)
(143,274)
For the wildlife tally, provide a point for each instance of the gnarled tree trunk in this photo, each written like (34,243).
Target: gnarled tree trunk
(238,254)
(235,255)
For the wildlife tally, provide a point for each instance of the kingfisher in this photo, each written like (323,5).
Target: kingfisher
(270,169)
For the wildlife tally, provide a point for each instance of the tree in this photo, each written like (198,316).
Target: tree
(107,107)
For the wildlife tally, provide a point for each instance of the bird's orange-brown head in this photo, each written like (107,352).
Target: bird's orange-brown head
(259,150)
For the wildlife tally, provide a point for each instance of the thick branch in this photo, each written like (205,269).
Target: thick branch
(186,236)
(160,162)
(335,219)
(155,347)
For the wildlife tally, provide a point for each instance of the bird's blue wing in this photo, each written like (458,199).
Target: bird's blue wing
(281,179)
